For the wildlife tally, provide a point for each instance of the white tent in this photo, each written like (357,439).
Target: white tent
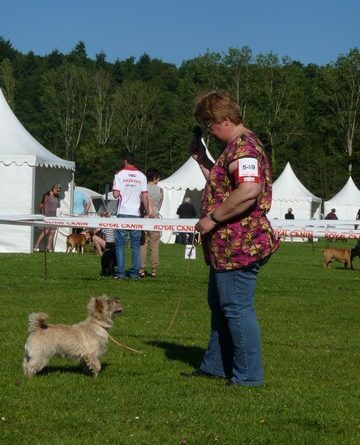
(287,192)
(97,200)
(188,180)
(346,201)
(111,204)
(27,171)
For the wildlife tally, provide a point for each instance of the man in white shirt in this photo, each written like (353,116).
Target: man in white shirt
(130,187)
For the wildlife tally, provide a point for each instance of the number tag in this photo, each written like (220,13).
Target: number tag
(248,170)
(190,252)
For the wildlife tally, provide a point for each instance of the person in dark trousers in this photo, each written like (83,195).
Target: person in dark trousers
(186,210)
(357,217)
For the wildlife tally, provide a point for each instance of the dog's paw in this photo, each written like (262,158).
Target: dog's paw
(91,366)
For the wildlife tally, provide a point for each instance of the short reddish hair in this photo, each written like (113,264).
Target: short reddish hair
(216,106)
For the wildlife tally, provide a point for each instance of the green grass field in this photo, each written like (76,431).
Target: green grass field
(309,321)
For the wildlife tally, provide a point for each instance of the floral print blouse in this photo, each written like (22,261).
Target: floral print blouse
(249,237)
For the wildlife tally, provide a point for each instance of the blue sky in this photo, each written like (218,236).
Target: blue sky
(310,31)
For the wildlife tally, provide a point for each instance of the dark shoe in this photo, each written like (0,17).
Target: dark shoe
(153,275)
(230,383)
(142,273)
(200,373)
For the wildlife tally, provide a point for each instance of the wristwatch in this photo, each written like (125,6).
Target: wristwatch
(212,217)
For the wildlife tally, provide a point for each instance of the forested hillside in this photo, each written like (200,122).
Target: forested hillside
(89,110)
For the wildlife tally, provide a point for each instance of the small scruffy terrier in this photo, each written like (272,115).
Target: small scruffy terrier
(85,341)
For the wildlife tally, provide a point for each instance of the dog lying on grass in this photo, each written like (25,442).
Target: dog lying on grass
(77,241)
(345,256)
(85,341)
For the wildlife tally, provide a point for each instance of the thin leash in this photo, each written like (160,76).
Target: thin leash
(185,275)
(123,346)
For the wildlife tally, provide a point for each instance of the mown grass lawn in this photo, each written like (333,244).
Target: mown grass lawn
(309,321)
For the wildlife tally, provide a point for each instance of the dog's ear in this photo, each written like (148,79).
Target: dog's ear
(91,305)
(95,305)
(99,305)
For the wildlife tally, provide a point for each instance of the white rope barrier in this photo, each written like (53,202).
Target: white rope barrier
(92,222)
(329,229)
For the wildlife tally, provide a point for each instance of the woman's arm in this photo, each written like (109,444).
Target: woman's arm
(161,198)
(198,152)
(238,202)
(145,201)
(205,165)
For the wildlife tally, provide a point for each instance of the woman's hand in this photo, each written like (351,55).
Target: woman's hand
(205,225)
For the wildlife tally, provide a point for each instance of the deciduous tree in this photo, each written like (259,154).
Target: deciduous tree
(339,91)
(7,81)
(103,107)
(279,100)
(137,107)
(66,97)
(238,64)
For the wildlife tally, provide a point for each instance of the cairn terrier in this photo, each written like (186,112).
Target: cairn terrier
(85,341)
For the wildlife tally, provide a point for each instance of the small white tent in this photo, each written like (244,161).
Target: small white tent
(27,171)
(111,204)
(346,201)
(287,192)
(97,200)
(188,180)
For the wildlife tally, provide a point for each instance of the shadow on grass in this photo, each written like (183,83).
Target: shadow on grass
(73,369)
(190,355)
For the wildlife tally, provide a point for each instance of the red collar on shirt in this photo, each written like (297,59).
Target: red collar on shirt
(130,167)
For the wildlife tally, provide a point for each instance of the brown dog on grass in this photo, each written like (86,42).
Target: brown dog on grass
(85,341)
(343,255)
(77,241)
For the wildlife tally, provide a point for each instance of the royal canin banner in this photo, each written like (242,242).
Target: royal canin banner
(306,229)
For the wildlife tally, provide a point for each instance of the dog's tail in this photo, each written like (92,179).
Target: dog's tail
(37,321)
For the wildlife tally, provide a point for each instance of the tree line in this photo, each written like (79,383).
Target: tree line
(91,110)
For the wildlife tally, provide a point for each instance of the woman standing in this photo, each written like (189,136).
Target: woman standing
(237,239)
(48,207)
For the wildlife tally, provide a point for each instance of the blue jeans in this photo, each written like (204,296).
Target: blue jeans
(234,346)
(120,240)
